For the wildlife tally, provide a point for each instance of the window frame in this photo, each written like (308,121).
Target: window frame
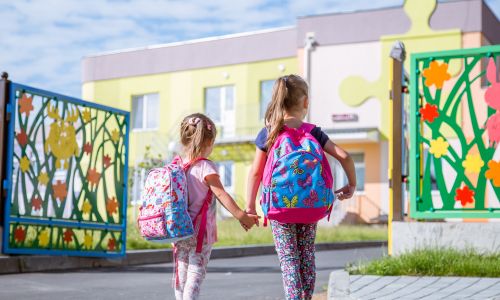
(145,101)
(222,104)
(262,110)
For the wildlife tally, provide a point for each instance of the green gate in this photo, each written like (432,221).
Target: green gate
(455,133)
(65,175)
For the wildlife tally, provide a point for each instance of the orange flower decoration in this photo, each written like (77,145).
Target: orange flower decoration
(36,202)
(68,235)
(111,205)
(429,112)
(22,138)
(493,172)
(111,244)
(106,160)
(93,177)
(25,104)
(19,234)
(87,148)
(436,74)
(60,190)
(464,195)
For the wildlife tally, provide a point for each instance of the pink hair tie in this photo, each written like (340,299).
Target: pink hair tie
(209,126)
(194,121)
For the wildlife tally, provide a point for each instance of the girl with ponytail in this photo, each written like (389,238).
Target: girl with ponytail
(294,241)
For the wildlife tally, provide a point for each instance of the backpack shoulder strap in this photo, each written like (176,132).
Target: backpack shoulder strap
(307,127)
(193,162)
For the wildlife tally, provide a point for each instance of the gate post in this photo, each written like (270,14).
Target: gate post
(4,96)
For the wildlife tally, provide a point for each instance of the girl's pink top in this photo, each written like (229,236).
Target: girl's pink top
(197,191)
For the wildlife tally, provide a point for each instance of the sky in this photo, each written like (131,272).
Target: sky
(42,42)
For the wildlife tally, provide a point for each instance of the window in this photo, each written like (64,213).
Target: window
(266,92)
(341,178)
(220,107)
(145,111)
(226,175)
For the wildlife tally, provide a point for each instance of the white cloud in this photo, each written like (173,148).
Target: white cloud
(42,42)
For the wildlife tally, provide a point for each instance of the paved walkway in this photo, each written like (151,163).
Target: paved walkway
(412,287)
(254,278)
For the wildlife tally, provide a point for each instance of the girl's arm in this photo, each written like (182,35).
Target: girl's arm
(246,220)
(347,163)
(254,179)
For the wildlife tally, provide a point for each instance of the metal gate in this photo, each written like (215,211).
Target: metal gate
(65,175)
(455,134)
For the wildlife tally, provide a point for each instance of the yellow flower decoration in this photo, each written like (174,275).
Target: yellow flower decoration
(473,163)
(439,147)
(43,178)
(494,172)
(436,74)
(24,164)
(86,116)
(88,241)
(115,136)
(87,207)
(43,238)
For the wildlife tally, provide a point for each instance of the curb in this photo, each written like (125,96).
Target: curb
(28,264)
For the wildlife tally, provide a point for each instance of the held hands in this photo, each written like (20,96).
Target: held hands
(247,220)
(346,192)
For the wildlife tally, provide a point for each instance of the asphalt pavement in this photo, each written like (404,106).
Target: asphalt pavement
(254,277)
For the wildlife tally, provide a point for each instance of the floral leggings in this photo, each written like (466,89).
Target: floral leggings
(295,247)
(190,269)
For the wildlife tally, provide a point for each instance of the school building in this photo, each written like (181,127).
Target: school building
(344,57)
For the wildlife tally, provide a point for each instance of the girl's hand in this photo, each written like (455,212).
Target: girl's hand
(346,192)
(248,220)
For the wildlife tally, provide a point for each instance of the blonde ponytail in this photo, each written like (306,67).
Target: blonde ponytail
(197,132)
(287,93)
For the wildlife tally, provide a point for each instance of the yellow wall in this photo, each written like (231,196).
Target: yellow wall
(182,93)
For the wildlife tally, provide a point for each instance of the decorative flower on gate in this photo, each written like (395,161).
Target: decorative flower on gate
(436,74)
(93,177)
(24,164)
(464,195)
(111,205)
(429,112)
(19,234)
(68,235)
(492,95)
(60,190)
(493,172)
(473,163)
(22,138)
(111,244)
(43,238)
(25,104)
(87,148)
(106,160)
(86,207)
(88,241)
(36,203)
(43,178)
(61,140)
(115,135)
(439,147)
(86,116)
(493,127)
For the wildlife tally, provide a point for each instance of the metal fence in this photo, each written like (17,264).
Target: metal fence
(455,132)
(65,175)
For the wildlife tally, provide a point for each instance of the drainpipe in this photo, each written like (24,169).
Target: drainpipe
(309,45)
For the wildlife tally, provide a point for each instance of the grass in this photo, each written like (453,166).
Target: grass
(230,233)
(433,262)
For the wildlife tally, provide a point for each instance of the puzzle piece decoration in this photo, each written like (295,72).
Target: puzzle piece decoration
(355,90)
